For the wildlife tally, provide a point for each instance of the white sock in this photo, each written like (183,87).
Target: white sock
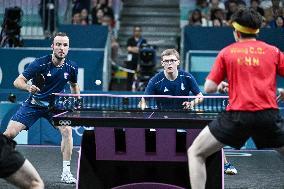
(66,166)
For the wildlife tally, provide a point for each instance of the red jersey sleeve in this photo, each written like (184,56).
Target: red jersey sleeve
(280,63)
(218,71)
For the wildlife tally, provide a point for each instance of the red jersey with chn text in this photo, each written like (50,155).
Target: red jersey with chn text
(250,68)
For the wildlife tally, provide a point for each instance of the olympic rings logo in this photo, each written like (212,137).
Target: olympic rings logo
(65,122)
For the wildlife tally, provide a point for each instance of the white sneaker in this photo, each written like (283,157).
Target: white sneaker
(68,178)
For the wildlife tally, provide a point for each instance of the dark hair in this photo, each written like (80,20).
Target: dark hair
(137,26)
(214,11)
(192,19)
(255,1)
(247,17)
(275,20)
(61,34)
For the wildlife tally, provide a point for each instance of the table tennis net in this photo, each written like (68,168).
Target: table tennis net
(110,102)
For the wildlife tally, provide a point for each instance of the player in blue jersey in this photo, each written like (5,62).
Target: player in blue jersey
(172,81)
(49,74)
(175,82)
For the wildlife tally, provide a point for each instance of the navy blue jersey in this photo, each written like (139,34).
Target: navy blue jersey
(55,77)
(183,85)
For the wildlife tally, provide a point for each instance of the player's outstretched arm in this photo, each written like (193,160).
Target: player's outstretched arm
(21,83)
(210,86)
(142,104)
(196,101)
(74,87)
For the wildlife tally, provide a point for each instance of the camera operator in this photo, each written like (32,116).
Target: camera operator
(134,44)
(11,28)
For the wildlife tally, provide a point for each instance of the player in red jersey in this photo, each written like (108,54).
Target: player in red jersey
(250,67)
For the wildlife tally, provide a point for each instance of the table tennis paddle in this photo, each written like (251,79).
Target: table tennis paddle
(78,103)
(39,80)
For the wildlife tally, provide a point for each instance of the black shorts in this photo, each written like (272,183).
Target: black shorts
(10,159)
(233,128)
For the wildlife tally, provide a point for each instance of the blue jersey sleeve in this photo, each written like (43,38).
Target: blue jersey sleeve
(32,69)
(150,89)
(194,88)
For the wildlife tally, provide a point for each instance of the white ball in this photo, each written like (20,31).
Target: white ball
(98,82)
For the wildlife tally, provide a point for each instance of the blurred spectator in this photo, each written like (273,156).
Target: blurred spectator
(134,44)
(219,14)
(217,22)
(98,19)
(272,12)
(242,5)
(10,35)
(196,19)
(48,15)
(278,22)
(84,16)
(216,4)
(202,5)
(78,5)
(255,4)
(103,5)
(107,21)
(232,8)
(242,2)
(76,18)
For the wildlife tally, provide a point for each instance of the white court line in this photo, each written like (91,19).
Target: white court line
(151,115)
(238,154)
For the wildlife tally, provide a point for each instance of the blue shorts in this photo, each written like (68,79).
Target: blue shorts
(28,114)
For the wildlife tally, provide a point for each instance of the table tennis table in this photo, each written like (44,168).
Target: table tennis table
(143,119)
(171,171)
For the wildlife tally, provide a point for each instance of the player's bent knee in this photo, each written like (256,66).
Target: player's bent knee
(26,177)
(191,152)
(37,184)
(10,133)
(13,129)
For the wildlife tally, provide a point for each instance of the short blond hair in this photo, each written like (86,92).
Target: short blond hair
(168,52)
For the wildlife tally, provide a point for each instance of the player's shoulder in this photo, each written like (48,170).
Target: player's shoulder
(265,45)
(42,61)
(71,64)
(184,74)
(227,48)
(158,78)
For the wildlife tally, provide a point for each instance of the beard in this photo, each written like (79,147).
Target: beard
(59,57)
